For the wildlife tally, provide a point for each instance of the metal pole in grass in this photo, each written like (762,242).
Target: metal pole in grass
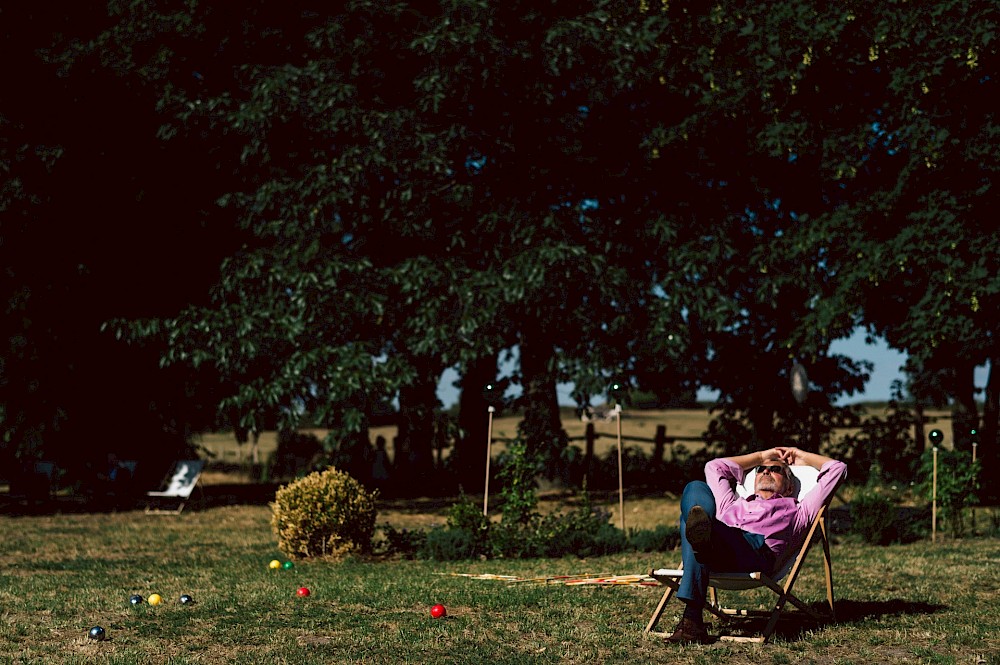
(489,446)
(975,444)
(621,483)
(936,437)
(934,500)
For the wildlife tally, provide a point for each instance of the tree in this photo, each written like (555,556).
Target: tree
(746,275)
(674,195)
(922,259)
(382,156)
(89,230)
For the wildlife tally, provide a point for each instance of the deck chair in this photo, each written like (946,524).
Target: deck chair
(787,569)
(177,488)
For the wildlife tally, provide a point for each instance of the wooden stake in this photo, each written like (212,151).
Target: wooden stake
(489,446)
(621,484)
(974,445)
(934,500)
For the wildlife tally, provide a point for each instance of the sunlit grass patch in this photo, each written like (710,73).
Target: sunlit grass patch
(60,575)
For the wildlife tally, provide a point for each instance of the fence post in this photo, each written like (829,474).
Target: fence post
(659,443)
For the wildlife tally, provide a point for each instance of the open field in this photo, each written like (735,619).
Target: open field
(641,424)
(60,575)
(638,424)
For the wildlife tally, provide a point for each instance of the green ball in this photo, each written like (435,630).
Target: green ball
(287,565)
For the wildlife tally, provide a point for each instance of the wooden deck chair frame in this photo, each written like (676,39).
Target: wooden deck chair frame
(179,483)
(789,568)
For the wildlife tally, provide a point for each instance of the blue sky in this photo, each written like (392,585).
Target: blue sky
(887,369)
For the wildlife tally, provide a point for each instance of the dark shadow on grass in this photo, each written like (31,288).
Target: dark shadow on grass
(210,496)
(858,611)
(794,624)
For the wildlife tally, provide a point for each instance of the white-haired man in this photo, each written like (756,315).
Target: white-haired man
(721,530)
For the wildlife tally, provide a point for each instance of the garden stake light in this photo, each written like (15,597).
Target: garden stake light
(934,500)
(489,445)
(935,437)
(621,495)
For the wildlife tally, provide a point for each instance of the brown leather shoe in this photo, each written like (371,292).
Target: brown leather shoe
(689,631)
(698,529)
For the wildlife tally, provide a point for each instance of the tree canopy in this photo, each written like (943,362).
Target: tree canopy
(671,195)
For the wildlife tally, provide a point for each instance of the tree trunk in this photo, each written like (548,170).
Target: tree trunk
(541,427)
(989,436)
(469,457)
(920,419)
(418,404)
(760,413)
(964,412)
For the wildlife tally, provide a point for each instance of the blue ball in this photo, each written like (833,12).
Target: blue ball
(97,633)
(136,600)
(186,600)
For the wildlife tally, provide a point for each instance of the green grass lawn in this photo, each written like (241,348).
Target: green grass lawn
(60,575)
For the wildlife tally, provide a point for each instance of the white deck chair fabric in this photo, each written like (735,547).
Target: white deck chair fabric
(179,485)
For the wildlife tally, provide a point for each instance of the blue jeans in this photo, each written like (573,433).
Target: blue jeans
(732,550)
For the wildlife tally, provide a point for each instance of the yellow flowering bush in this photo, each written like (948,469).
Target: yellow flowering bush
(325,514)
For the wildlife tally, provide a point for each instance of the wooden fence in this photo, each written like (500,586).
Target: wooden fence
(660,441)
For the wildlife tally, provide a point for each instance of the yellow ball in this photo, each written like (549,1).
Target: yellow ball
(154,599)
(275,564)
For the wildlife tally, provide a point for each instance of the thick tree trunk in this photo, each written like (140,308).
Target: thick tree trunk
(469,458)
(541,427)
(965,411)
(418,404)
(919,435)
(989,436)
(761,417)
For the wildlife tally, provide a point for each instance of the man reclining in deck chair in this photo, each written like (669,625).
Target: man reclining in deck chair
(725,532)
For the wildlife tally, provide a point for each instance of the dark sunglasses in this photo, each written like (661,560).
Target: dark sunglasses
(773,469)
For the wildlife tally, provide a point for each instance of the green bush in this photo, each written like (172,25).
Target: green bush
(609,539)
(518,471)
(577,532)
(447,544)
(522,531)
(325,514)
(407,543)
(873,517)
(661,539)
(465,516)
(957,485)
(581,532)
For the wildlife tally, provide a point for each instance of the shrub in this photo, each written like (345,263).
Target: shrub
(518,470)
(609,539)
(873,517)
(581,532)
(661,539)
(467,518)
(957,485)
(406,543)
(447,544)
(327,513)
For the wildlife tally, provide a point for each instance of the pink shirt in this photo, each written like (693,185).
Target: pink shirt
(780,520)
